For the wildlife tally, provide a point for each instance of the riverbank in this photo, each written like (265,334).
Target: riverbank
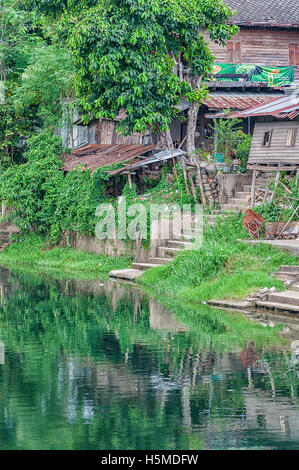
(222,269)
(32,252)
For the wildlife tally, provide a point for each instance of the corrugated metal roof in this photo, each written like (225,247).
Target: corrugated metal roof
(95,156)
(236,101)
(157,157)
(286,107)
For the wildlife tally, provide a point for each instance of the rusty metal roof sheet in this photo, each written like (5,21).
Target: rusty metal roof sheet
(93,156)
(281,108)
(157,157)
(236,100)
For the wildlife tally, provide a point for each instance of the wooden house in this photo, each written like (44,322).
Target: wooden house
(275,141)
(260,63)
(269,37)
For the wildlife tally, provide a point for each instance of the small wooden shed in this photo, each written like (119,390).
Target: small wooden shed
(275,143)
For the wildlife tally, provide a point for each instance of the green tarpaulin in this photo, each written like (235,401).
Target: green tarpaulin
(274,76)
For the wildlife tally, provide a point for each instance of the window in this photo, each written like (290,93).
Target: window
(267,139)
(234,55)
(291,137)
(294,54)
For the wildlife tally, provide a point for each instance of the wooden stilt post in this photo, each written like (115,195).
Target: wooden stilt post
(130,180)
(275,185)
(202,192)
(185,177)
(253,189)
(192,187)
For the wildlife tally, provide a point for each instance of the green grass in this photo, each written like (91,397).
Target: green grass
(31,252)
(221,269)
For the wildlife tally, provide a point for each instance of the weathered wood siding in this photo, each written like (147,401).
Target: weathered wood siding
(277,152)
(104,132)
(259,46)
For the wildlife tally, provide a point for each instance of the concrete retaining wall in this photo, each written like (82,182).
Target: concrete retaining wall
(229,184)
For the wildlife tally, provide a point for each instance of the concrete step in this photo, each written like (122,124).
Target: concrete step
(126,274)
(286,297)
(184,245)
(165,251)
(289,269)
(143,266)
(259,184)
(230,207)
(295,287)
(242,194)
(236,201)
(160,261)
(278,307)
(285,276)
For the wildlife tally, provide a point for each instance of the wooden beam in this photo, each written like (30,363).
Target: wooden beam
(272,168)
(253,189)
(130,180)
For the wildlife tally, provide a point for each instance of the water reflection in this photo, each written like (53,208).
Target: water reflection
(99,366)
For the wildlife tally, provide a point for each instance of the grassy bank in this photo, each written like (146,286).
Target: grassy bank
(32,252)
(222,269)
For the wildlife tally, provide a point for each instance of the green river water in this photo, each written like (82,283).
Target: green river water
(91,365)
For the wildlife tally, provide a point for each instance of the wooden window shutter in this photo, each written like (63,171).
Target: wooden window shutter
(294,54)
(237,54)
(234,55)
(230,52)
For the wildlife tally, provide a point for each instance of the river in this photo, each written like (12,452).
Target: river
(100,365)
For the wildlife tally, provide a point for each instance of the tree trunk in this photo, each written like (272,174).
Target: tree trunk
(166,140)
(191,129)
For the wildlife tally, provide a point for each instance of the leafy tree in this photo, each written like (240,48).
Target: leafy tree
(47,84)
(142,56)
(17,40)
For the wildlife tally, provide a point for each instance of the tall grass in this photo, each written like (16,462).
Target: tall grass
(222,268)
(30,252)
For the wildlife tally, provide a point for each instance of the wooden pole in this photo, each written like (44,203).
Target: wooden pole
(130,180)
(288,222)
(275,185)
(202,192)
(253,189)
(185,177)
(192,187)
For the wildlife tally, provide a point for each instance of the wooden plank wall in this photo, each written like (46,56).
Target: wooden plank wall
(277,152)
(260,46)
(104,132)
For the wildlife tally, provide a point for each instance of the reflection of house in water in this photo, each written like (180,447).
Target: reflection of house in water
(162,319)
(278,416)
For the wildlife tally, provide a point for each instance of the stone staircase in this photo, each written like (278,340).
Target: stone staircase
(288,300)
(240,201)
(166,252)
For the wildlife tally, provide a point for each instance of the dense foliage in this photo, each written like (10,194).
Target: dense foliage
(46,200)
(221,269)
(131,54)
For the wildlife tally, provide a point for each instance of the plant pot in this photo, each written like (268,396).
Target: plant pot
(219,157)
